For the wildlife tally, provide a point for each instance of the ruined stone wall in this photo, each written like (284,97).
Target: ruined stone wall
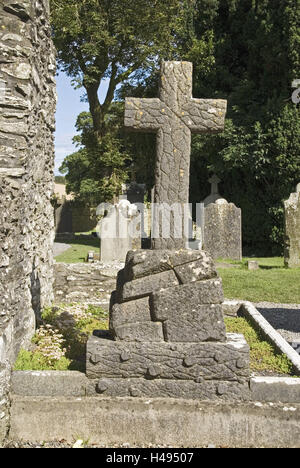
(27,105)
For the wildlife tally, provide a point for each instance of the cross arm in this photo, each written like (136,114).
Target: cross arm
(145,115)
(204,115)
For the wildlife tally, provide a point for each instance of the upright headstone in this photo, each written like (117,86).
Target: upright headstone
(120,231)
(222,225)
(167,332)
(173,117)
(292,230)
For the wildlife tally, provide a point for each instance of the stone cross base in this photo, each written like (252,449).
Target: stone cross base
(167,333)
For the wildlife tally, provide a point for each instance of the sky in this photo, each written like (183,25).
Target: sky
(69,106)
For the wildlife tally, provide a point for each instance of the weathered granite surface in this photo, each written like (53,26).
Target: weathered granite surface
(130,312)
(185,370)
(173,117)
(27,107)
(183,361)
(140,331)
(145,286)
(292,230)
(189,265)
(191,312)
(172,341)
(164,388)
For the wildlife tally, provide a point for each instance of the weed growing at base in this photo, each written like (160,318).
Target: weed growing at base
(60,341)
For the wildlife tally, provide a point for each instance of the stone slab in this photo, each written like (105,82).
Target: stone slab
(181,361)
(162,421)
(145,286)
(130,312)
(142,263)
(206,323)
(140,331)
(48,383)
(196,271)
(205,390)
(191,312)
(275,389)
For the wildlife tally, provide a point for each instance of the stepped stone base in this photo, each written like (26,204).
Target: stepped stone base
(167,333)
(185,370)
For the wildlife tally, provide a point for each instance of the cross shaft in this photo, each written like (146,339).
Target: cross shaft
(173,117)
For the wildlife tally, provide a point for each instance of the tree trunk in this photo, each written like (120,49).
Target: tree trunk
(96,110)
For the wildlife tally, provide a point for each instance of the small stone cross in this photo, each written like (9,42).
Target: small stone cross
(214,181)
(173,117)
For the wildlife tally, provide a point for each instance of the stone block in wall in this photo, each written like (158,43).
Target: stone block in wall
(145,286)
(191,312)
(130,312)
(150,332)
(141,263)
(84,282)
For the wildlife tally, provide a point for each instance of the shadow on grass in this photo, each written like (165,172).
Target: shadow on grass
(89,242)
(272,267)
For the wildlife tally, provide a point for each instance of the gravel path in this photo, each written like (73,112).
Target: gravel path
(285,318)
(60,248)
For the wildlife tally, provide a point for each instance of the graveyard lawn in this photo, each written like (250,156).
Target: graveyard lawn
(79,249)
(60,341)
(264,359)
(271,283)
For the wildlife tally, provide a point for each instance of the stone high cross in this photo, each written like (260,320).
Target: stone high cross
(173,117)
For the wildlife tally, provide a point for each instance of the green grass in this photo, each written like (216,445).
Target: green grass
(79,249)
(73,329)
(271,283)
(264,262)
(263,356)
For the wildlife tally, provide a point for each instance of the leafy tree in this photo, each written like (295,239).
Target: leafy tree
(255,57)
(108,40)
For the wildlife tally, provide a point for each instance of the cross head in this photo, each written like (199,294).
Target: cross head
(174,116)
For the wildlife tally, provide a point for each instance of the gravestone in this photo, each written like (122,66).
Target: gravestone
(222,236)
(167,333)
(292,230)
(173,117)
(120,231)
